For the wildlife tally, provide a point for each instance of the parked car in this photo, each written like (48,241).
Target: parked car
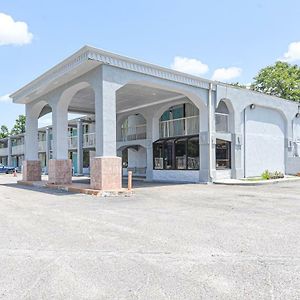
(6,170)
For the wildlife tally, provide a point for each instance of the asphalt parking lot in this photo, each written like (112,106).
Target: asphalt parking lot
(165,242)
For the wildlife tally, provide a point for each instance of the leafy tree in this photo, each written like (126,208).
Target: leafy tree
(281,79)
(4,132)
(239,84)
(19,126)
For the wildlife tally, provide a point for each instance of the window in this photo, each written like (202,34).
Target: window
(168,154)
(179,120)
(193,153)
(222,117)
(223,155)
(180,154)
(176,154)
(158,155)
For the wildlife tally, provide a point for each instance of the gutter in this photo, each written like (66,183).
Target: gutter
(210,177)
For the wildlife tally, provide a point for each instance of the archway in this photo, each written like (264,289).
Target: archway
(264,140)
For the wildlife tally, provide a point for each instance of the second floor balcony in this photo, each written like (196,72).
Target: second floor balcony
(72,142)
(132,133)
(89,140)
(3,151)
(179,127)
(17,149)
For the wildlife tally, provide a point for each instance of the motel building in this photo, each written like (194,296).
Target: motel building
(159,123)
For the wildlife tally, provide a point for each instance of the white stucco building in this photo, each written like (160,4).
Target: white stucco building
(167,125)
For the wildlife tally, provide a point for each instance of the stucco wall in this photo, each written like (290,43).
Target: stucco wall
(176,176)
(264,141)
(293,165)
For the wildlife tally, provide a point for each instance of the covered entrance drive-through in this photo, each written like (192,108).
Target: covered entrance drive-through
(89,85)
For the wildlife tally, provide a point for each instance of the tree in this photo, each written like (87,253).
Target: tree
(239,85)
(281,79)
(19,126)
(4,132)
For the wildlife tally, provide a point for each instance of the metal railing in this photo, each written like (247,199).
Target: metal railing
(222,122)
(42,146)
(89,140)
(3,151)
(137,132)
(72,142)
(179,127)
(17,149)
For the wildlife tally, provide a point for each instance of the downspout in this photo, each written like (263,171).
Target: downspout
(210,177)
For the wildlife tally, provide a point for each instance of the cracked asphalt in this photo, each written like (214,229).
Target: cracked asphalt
(165,242)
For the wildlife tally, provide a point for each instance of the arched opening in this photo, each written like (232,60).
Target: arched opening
(81,128)
(134,127)
(223,126)
(222,117)
(264,140)
(45,137)
(134,158)
(179,120)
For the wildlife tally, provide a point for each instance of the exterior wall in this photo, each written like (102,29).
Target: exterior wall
(293,166)
(264,141)
(137,159)
(176,176)
(223,174)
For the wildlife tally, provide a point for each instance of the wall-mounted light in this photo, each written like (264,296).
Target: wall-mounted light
(298,113)
(252,106)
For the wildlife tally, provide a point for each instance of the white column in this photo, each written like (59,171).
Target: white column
(31,135)
(60,132)
(106,167)
(105,117)
(48,147)
(79,147)
(9,154)
(31,164)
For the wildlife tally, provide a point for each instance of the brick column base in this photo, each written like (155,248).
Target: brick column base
(106,173)
(32,170)
(60,171)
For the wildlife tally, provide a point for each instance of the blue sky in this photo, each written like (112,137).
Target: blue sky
(224,40)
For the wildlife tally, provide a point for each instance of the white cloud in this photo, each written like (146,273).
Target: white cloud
(226,74)
(13,32)
(189,65)
(293,53)
(5,98)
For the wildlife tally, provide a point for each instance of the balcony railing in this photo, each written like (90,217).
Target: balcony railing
(179,127)
(222,122)
(3,151)
(72,142)
(18,149)
(42,146)
(137,132)
(89,140)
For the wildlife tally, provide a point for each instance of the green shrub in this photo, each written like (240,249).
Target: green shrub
(266,175)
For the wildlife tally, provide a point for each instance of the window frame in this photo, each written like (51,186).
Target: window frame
(164,141)
(229,144)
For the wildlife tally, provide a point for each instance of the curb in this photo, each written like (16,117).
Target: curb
(258,183)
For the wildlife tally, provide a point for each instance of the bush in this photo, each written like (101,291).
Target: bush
(266,175)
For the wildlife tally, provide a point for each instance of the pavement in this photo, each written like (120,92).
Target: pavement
(167,241)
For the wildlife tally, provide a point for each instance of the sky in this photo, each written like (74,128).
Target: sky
(222,40)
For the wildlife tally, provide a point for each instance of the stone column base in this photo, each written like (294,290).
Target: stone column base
(60,171)
(32,170)
(106,173)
